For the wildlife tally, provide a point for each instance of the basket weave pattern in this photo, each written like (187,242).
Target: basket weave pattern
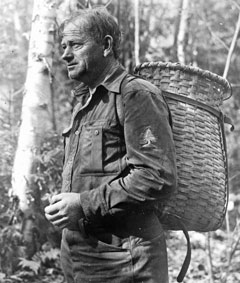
(201,197)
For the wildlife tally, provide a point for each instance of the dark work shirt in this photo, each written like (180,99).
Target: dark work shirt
(119,149)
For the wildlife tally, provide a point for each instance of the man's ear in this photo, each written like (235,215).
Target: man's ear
(107,45)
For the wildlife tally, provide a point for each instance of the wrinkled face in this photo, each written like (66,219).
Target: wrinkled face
(84,56)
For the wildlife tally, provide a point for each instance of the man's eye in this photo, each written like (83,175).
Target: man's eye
(76,45)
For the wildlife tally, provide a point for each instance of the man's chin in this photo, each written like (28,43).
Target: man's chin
(71,77)
(76,76)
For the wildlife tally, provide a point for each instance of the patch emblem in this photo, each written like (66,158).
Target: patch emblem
(148,139)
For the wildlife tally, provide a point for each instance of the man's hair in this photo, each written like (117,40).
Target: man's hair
(96,23)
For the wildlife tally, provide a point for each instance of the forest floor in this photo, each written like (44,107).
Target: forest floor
(215,259)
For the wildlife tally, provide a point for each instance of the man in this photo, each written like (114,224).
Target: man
(119,162)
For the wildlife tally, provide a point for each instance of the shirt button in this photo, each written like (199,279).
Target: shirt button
(96,132)
(77,133)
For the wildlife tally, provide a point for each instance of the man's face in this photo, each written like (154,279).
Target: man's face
(84,57)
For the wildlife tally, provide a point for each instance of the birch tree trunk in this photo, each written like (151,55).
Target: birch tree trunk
(183,28)
(174,50)
(36,107)
(137,31)
(231,49)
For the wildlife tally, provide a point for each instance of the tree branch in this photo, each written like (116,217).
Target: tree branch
(213,33)
(231,49)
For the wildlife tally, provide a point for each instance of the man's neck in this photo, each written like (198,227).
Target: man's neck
(108,70)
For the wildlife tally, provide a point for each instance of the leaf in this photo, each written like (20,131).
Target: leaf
(30,264)
(2,276)
(53,254)
(16,278)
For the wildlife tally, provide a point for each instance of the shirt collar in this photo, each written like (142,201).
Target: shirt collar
(113,81)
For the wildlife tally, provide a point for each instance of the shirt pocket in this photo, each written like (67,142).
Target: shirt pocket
(99,149)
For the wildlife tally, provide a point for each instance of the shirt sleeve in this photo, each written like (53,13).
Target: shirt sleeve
(150,153)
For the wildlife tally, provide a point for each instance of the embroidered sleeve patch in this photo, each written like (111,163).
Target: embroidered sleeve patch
(147,139)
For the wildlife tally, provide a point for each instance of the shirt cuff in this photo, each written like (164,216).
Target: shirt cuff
(93,205)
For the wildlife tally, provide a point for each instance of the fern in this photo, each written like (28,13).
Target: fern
(30,264)
(52,255)
(46,256)
(2,276)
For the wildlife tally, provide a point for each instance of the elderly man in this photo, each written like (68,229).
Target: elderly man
(119,162)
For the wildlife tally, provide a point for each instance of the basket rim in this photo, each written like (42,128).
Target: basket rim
(189,69)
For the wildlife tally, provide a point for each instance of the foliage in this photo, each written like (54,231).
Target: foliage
(42,261)
(211,27)
(12,249)
(215,256)
(14,30)
(48,179)
(30,264)
(49,170)
(44,266)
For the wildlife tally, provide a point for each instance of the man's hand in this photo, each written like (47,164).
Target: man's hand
(65,211)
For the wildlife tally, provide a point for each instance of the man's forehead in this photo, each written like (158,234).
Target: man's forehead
(74,26)
(73,33)
(73,29)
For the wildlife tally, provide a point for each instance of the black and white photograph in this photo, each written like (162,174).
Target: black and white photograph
(120,141)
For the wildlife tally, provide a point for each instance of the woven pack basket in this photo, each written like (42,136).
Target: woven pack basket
(194,97)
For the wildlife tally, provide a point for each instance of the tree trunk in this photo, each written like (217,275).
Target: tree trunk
(137,31)
(231,49)
(183,29)
(174,50)
(36,114)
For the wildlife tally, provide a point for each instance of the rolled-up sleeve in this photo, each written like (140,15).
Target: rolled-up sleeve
(150,154)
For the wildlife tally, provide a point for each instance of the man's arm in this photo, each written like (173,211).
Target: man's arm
(151,173)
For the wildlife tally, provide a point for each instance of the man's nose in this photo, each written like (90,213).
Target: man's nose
(67,54)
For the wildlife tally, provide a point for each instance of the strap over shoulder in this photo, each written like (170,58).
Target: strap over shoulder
(120,113)
(119,103)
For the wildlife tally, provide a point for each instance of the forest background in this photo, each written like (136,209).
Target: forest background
(200,33)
